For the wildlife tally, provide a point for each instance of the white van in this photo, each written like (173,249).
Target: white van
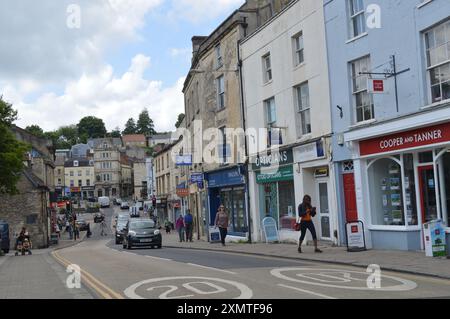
(104,202)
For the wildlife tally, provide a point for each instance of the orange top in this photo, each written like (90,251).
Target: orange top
(307,217)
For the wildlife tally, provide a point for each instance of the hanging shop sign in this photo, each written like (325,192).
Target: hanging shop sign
(309,152)
(183,192)
(375,86)
(399,141)
(273,159)
(285,173)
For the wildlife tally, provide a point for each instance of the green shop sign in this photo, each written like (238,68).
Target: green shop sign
(284,173)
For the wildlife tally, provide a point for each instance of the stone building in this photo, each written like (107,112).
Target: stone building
(126,190)
(213,101)
(30,208)
(139,179)
(107,166)
(80,177)
(134,140)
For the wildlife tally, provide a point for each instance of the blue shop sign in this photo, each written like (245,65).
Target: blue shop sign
(225,178)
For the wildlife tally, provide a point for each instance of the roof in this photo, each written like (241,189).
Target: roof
(98,142)
(82,162)
(134,138)
(164,136)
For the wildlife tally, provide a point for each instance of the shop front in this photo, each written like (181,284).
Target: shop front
(406,178)
(274,191)
(314,177)
(87,192)
(227,187)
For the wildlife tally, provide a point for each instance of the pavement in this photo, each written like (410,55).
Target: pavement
(399,261)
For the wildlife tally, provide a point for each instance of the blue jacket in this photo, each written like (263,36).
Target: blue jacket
(188,219)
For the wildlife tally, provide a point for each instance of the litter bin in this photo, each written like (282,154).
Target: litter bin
(435,241)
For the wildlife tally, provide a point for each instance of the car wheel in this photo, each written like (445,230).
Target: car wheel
(159,246)
(124,245)
(117,242)
(129,246)
(6,251)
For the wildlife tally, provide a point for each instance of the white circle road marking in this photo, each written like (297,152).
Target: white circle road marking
(404,286)
(246,292)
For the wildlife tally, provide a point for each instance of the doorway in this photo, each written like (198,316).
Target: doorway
(323,210)
(428,201)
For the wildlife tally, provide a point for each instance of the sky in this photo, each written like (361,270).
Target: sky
(66,59)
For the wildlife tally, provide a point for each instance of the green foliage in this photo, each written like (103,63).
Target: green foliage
(130,127)
(179,120)
(115,133)
(35,130)
(91,127)
(12,151)
(145,124)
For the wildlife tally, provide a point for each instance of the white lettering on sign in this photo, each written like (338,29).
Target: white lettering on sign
(415,138)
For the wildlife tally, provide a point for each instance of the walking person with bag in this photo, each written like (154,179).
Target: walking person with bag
(188,224)
(222,222)
(180,227)
(307,212)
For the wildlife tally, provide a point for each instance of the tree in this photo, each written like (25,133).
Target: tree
(179,120)
(115,133)
(68,134)
(12,151)
(91,127)
(35,130)
(145,124)
(130,127)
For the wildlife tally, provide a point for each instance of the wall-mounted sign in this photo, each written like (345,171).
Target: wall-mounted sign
(183,160)
(321,172)
(183,192)
(225,178)
(273,159)
(415,138)
(284,173)
(309,152)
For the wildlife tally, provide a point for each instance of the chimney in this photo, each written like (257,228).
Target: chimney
(196,41)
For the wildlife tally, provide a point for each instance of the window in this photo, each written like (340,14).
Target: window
(223,145)
(88,173)
(220,92)
(71,173)
(219,60)
(362,99)
(59,171)
(80,173)
(72,183)
(385,184)
(298,49)
(270,109)
(267,67)
(88,182)
(303,108)
(75,163)
(437,42)
(59,181)
(357,19)
(80,183)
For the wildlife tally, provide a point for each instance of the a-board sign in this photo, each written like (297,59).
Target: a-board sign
(355,236)
(270,229)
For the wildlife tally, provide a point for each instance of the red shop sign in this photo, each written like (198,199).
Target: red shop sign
(399,141)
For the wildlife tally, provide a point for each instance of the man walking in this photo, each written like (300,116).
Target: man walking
(188,220)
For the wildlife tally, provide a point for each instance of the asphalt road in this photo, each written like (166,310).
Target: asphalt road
(168,273)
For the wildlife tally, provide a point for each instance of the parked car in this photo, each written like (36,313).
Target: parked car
(4,236)
(82,225)
(104,202)
(141,232)
(134,212)
(117,201)
(124,205)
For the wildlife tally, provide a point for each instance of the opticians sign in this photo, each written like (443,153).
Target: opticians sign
(405,140)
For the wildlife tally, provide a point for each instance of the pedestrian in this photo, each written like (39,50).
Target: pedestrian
(167,226)
(188,220)
(89,234)
(57,230)
(307,212)
(180,227)
(76,231)
(70,230)
(222,222)
(103,228)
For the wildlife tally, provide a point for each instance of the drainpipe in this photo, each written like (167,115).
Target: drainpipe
(247,180)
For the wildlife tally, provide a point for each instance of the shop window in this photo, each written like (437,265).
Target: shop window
(426,157)
(385,185)
(286,199)
(410,190)
(444,180)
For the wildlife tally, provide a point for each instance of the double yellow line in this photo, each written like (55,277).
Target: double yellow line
(104,291)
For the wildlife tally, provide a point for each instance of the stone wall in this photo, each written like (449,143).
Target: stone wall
(15,210)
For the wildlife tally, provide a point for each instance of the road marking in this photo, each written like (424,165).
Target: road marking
(307,291)
(103,290)
(158,258)
(130,292)
(212,268)
(309,279)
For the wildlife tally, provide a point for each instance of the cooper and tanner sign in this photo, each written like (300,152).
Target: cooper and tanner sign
(415,138)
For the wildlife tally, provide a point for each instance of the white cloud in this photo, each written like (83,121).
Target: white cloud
(175,52)
(196,11)
(101,94)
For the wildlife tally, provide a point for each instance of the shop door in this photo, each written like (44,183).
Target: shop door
(427,193)
(351,212)
(324,211)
